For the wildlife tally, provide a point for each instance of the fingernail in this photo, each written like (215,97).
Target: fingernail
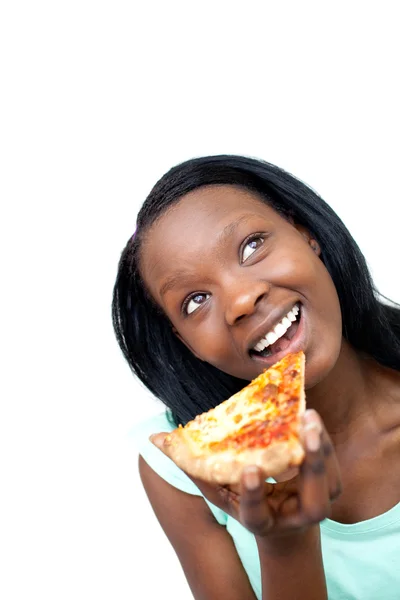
(313,439)
(312,430)
(310,415)
(252,478)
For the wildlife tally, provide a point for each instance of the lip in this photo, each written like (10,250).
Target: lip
(274,318)
(297,343)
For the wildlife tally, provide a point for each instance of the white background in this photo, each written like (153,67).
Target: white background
(98,99)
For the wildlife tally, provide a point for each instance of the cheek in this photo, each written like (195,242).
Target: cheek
(326,329)
(296,269)
(327,303)
(209,342)
(304,272)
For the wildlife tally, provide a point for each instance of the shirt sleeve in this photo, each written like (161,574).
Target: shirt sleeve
(164,466)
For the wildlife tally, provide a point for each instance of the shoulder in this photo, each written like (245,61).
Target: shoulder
(163,466)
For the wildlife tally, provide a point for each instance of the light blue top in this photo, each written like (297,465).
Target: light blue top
(361,561)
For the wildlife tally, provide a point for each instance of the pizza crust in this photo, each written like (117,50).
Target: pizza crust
(225,468)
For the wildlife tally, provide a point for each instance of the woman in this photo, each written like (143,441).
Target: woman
(224,246)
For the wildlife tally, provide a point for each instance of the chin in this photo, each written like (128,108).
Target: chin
(318,367)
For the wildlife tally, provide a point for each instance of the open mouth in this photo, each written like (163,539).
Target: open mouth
(278,339)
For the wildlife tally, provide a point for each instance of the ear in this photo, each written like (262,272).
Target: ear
(188,346)
(309,238)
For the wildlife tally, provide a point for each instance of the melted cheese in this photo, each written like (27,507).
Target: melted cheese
(273,397)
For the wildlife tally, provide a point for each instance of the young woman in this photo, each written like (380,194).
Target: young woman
(225,247)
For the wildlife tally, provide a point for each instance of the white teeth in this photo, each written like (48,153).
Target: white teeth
(262,344)
(271,338)
(278,331)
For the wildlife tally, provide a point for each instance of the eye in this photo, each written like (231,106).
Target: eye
(251,246)
(193,302)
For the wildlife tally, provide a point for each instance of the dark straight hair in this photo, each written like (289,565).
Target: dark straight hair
(186,385)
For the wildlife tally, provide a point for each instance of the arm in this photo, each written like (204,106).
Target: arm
(296,565)
(285,517)
(192,530)
(287,527)
(291,567)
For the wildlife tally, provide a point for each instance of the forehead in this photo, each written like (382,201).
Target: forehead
(206,210)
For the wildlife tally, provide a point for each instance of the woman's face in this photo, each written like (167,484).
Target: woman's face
(227,270)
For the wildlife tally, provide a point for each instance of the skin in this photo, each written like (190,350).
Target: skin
(245,297)
(197,248)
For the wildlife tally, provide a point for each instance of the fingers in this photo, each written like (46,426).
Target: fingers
(313,484)
(319,482)
(331,466)
(254,512)
(316,437)
(264,508)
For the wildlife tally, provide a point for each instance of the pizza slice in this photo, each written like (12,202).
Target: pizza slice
(257,426)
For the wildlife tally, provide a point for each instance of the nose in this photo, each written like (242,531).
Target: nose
(242,299)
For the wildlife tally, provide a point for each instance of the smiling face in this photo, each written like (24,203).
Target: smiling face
(241,285)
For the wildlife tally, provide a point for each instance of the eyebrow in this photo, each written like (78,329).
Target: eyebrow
(228,230)
(182,277)
(179,277)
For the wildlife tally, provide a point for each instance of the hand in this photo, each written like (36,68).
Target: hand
(288,506)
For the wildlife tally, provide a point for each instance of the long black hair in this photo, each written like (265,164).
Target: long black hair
(185,384)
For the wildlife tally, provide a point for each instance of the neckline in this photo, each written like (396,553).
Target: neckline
(386,519)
